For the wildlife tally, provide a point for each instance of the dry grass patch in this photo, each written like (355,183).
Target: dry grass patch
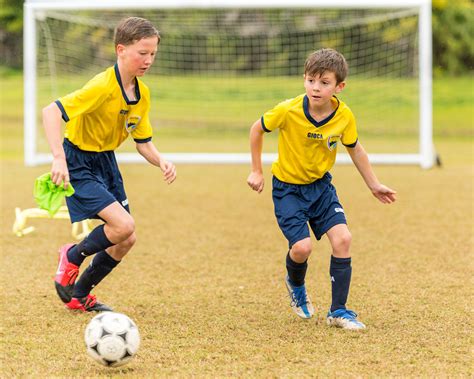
(205,280)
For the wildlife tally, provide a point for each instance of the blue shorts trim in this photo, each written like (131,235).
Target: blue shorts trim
(96,180)
(297,205)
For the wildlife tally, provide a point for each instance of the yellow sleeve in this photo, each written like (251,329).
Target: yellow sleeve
(274,118)
(85,100)
(143,132)
(349,135)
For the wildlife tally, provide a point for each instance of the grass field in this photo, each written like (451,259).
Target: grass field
(192,114)
(205,280)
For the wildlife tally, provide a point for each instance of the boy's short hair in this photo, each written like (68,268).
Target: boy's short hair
(326,60)
(133,29)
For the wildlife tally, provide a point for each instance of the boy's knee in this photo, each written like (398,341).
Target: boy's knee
(346,240)
(121,249)
(301,250)
(343,242)
(131,240)
(126,246)
(126,229)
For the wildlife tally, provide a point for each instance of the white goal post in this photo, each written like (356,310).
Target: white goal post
(34,10)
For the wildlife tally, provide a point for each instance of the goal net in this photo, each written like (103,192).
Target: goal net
(220,67)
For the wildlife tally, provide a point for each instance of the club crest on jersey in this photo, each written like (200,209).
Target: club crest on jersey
(332,142)
(131,123)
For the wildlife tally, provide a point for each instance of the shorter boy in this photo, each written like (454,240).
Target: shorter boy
(311,125)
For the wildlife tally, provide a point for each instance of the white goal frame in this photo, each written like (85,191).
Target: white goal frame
(425,156)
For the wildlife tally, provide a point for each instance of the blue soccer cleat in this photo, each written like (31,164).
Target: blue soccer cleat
(345,319)
(299,300)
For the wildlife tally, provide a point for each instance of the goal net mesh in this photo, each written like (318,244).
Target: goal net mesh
(218,70)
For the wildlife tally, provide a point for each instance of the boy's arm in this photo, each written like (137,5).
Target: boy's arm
(361,161)
(255,179)
(52,127)
(148,151)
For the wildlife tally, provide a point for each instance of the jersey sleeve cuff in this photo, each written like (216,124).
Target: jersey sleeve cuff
(63,111)
(352,145)
(142,140)
(263,126)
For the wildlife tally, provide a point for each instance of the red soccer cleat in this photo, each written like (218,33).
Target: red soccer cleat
(87,304)
(66,275)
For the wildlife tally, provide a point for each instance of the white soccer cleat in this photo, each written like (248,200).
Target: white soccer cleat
(299,300)
(345,319)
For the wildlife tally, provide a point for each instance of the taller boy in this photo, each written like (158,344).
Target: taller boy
(311,125)
(99,117)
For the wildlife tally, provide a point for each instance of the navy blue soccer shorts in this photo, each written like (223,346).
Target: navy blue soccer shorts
(96,180)
(296,205)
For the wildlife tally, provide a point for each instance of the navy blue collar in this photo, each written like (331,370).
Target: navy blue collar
(137,89)
(311,119)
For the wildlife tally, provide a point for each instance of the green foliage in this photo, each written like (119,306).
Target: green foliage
(452,37)
(11,33)
(453,33)
(11,16)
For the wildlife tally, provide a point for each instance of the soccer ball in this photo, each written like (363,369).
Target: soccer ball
(112,339)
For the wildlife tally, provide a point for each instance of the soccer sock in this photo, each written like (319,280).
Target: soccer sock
(340,271)
(296,271)
(94,242)
(100,267)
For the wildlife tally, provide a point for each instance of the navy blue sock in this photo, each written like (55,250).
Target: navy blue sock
(100,267)
(296,271)
(93,243)
(340,271)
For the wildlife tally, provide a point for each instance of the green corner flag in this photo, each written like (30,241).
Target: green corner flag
(48,195)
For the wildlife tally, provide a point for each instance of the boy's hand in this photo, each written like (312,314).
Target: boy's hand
(59,172)
(256,181)
(169,171)
(384,194)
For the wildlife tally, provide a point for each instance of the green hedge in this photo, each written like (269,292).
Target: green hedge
(453,23)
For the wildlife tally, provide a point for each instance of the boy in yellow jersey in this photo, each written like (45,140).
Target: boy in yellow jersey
(310,127)
(99,117)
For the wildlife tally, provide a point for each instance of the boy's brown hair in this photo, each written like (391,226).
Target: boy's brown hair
(133,29)
(326,60)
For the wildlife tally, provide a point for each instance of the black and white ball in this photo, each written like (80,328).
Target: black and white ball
(112,339)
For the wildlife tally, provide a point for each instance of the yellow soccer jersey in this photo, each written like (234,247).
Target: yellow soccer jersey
(307,148)
(99,116)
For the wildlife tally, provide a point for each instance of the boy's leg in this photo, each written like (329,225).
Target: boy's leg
(102,264)
(340,272)
(297,261)
(96,241)
(327,217)
(340,269)
(105,235)
(290,211)
(296,265)
(119,224)
(71,257)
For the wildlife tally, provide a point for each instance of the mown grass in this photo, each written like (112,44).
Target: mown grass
(205,281)
(211,114)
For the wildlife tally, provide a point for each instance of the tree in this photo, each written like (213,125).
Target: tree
(11,32)
(453,32)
